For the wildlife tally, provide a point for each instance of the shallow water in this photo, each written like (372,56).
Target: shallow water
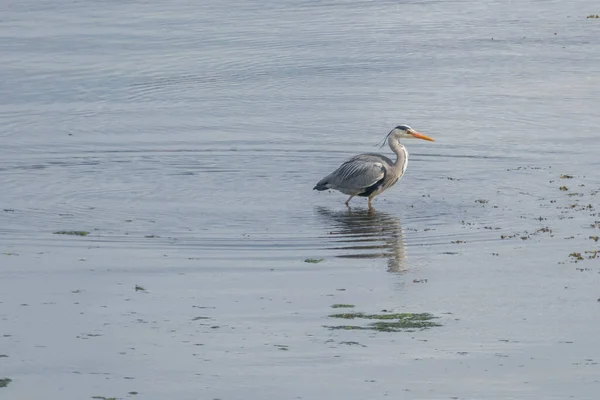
(186,139)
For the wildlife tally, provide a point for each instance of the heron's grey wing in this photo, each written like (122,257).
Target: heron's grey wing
(357,174)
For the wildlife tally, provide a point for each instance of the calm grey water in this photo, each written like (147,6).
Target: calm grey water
(186,138)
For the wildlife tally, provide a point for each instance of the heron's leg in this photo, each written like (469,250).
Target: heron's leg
(348,201)
(371,201)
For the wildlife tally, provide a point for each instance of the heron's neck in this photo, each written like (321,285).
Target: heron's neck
(401,153)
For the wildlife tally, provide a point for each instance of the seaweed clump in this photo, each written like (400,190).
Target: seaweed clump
(387,322)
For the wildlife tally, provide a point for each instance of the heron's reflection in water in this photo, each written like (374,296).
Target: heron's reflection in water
(366,234)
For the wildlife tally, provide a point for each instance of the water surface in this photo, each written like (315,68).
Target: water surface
(186,138)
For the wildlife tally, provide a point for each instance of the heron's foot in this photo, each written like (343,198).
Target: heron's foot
(348,201)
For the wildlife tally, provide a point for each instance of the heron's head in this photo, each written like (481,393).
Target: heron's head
(406,132)
(403,132)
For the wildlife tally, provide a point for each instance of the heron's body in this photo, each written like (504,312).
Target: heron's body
(370,174)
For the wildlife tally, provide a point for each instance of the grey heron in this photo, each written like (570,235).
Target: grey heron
(370,174)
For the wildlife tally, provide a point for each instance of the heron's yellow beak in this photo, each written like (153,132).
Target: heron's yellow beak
(421,136)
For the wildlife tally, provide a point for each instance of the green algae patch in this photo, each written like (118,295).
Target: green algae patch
(4,382)
(387,322)
(347,328)
(313,260)
(72,233)
(576,256)
(350,343)
(342,306)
